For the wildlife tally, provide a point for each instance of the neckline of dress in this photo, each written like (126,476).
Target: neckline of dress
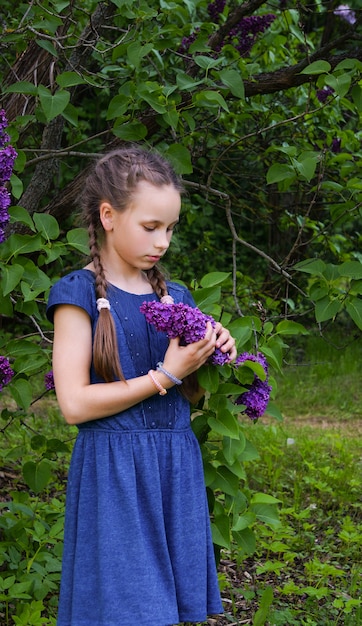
(129,293)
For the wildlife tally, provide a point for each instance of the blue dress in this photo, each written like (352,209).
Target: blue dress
(137,546)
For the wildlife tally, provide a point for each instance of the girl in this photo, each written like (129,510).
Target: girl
(137,547)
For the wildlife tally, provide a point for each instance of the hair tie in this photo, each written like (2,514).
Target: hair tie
(103,303)
(167,299)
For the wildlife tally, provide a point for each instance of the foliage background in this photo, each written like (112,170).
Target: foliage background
(267,137)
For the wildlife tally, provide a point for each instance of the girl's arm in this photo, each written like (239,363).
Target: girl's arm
(79,400)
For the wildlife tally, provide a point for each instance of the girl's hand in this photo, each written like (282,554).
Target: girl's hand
(184,360)
(225,341)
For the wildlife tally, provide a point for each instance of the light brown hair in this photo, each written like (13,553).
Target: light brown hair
(114,179)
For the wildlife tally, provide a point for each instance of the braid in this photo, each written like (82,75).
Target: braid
(105,347)
(157,280)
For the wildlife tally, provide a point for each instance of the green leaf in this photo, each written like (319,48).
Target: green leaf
(317,67)
(356,93)
(220,529)
(118,106)
(311,266)
(288,327)
(206,63)
(132,131)
(340,84)
(352,269)
(180,158)
(226,481)
(19,214)
(279,172)
(208,98)
(225,424)
(267,513)
(22,86)
(48,46)
(262,613)
(47,225)
(306,166)
(78,238)
(17,186)
(244,521)
(233,80)
(53,105)
(214,278)
(246,541)
(10,277)
(136,51)
(37,475)
(354,310)
(186,83)
(21,391)
(264,498)
(208,378)
(232,448)
(326,309)
(69,79)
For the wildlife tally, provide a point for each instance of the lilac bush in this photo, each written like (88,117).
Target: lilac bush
(184,321)
(6,372)
(7,158)
(257,396)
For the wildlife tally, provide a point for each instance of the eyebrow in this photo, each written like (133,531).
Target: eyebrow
(158,222)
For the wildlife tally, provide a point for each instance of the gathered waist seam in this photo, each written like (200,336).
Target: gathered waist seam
(145,431)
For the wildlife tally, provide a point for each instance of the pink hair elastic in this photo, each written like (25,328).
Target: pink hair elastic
(167,299)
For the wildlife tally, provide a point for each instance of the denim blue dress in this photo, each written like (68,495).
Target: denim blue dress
(137,544)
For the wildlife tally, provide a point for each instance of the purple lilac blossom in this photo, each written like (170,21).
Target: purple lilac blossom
(257,396)
(215,8)
(247,31)
(184,321)
(7,158)
(336,145)
(49,381)
(242,36)
(6,372)
(323,94)
(345,12)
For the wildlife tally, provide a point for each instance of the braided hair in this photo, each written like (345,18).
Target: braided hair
(114,178)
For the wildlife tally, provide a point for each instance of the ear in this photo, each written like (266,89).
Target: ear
(106,214)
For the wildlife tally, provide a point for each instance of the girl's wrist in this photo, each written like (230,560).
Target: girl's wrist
(168,374)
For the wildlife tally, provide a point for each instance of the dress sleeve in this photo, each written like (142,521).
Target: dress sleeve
(77,289)
(180,294)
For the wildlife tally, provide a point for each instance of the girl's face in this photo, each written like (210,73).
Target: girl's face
(139,236)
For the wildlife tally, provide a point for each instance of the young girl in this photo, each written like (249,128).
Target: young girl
(137,546)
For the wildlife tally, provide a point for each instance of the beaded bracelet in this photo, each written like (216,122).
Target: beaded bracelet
(175,380)
(162,391)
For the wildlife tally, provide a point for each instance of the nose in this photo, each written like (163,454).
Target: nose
(163,240)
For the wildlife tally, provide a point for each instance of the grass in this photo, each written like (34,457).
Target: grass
(306,571)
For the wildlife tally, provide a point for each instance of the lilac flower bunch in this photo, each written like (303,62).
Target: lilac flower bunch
(184,321)
(323,94)
(257,396)
(6,372)
(7,158)
(345,12)
(336,145)
(49,381)
(215,8)
(247,30)
(242,36)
